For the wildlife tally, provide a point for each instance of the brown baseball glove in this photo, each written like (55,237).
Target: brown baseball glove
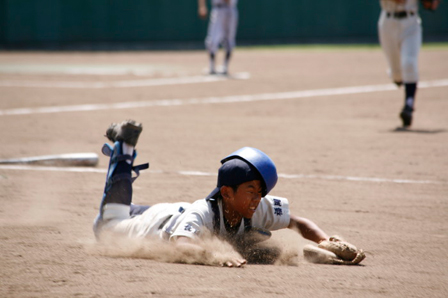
(334,251)
(430,4)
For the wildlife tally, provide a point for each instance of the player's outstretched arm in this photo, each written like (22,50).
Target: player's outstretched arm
(187,247)
(202,9)
(330,250)
(308,229)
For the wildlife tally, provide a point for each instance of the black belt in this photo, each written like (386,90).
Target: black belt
(221,6)
(400,14)
(181,210)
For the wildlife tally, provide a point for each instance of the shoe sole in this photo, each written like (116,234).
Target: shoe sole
(127,132)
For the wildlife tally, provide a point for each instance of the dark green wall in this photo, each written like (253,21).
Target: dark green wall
(99,20)
(299,18)
(37,22)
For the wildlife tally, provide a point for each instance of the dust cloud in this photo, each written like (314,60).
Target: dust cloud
(216,251)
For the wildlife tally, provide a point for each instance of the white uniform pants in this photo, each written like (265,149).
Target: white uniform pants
(222,28)
(401,40)
(149,224)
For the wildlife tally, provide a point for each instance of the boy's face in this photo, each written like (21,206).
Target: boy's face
(246,198)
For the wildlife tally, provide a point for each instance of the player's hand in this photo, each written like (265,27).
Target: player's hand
(203,12)
(430,4)
(234,263)
(435,4)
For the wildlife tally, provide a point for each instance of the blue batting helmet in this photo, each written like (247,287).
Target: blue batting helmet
(256,165)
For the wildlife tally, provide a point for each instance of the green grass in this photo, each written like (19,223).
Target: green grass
(436,45)
(332,47)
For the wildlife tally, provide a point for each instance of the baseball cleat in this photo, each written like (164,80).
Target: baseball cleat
(406,117)
(127,131)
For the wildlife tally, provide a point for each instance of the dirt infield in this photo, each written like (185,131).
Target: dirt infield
(341,160)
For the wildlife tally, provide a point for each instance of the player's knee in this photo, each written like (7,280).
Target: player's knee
(409,66)
(211,46)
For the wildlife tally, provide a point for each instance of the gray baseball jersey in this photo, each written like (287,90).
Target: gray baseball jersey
(271,214)
(170,220)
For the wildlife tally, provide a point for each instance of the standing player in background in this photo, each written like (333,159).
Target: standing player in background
(221,29)
(400,35)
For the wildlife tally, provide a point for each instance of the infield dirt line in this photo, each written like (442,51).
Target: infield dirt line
(196,173)
(217,100)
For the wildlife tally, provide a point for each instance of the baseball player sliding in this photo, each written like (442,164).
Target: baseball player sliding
(239,210)
(221,29)
(400,35)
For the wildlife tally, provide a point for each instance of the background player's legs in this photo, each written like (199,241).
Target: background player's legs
(406,112)
(231,25)
(214,36)
(226,61)
(412,39)
(212,62)
(390,43)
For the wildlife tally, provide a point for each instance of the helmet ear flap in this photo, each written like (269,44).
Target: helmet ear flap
(261,162)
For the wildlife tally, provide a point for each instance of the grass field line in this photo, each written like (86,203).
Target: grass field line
(218,100)
(197,173)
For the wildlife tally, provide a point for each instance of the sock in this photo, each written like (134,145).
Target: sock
(120,184)
(127,149)
(227,60)
(410,90)
(212,62)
